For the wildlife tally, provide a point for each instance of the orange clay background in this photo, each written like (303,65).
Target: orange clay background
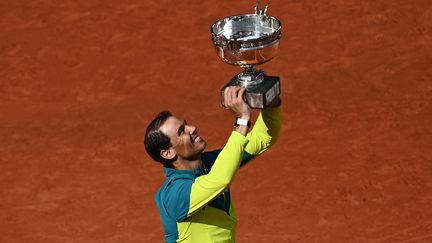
(80,80)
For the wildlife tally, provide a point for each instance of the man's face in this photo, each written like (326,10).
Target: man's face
(184,137)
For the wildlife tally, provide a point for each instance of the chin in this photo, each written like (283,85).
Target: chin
(203,146)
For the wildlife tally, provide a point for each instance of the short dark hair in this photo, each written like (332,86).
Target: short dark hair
(155,140)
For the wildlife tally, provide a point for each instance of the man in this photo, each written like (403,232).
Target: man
(194,202)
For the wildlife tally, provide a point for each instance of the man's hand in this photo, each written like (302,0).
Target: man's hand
(235,101)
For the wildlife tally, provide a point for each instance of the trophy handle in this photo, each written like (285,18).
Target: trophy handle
(262,12)
(226,44)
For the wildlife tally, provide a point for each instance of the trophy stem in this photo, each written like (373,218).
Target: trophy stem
(250,76)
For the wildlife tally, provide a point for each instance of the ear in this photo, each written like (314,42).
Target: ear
(168,153)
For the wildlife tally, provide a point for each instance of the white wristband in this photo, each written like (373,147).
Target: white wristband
(244,122)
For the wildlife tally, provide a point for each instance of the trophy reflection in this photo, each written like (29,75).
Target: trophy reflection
(248,40)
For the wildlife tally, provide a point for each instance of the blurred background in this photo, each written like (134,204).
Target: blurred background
(80,81)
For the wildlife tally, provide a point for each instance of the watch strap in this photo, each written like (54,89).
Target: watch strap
(239,121)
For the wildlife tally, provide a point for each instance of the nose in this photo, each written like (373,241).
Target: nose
(191,129)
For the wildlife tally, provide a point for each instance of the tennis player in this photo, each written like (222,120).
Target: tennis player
(195,201)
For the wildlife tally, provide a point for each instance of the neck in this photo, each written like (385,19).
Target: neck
(185,164)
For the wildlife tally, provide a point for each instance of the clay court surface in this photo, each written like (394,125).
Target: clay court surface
(80,80)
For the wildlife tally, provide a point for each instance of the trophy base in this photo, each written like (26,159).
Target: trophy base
(258,96)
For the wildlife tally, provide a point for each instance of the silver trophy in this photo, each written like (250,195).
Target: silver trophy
(247,40)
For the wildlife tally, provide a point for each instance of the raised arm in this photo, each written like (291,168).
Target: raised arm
(207,187)
(264,133)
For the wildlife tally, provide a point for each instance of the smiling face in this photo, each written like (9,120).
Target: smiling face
(186,142)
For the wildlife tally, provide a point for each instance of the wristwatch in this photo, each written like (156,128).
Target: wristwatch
(239,121)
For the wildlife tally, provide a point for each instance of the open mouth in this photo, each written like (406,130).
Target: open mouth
(197,139)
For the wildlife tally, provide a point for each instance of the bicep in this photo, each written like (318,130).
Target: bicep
(204,190)
(207,187)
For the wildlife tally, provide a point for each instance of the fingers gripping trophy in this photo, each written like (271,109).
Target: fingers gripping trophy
(248,40)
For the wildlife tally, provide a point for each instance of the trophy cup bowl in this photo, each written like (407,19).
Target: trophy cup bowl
(248,40)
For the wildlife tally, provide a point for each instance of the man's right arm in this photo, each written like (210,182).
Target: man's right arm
(207,187)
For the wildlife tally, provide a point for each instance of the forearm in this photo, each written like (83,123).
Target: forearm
(243,129)
(207,187)
(229,159)
(265,131)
